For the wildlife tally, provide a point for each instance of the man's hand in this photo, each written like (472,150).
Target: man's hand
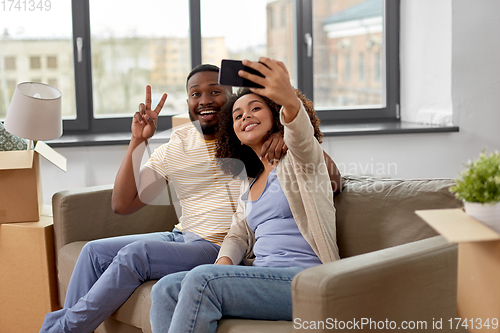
(144,121)
(274,148)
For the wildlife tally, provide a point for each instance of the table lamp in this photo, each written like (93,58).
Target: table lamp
(35,112)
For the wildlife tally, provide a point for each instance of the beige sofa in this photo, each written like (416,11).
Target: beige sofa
(395,269)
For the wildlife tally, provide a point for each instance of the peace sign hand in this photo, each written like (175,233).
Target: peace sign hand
(144,121)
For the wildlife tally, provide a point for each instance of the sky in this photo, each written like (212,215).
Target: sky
(242,22)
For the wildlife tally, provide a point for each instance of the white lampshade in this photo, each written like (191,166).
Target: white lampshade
(35,112)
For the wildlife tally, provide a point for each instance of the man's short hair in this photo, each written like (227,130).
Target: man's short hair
(202,68)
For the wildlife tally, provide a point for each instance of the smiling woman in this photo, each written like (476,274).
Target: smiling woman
(229,144)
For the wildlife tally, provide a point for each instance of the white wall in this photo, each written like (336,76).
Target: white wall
(450,55)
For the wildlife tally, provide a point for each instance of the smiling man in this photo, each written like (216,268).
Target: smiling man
(205,98)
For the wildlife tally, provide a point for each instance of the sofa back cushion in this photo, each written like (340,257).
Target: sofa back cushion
(375,213)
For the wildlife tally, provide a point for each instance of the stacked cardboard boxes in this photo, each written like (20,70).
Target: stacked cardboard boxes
(28,287)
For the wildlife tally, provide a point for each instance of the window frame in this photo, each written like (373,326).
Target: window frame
(85,121)
(303,11)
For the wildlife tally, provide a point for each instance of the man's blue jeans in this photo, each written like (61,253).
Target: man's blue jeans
(194,301)
(109,270)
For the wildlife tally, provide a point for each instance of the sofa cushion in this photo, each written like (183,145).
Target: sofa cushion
(375,213)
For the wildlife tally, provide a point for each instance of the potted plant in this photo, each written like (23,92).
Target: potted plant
(479,187)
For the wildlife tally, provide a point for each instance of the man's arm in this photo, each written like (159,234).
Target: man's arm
(127,194)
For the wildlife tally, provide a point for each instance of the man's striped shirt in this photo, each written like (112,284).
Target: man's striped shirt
(207,196)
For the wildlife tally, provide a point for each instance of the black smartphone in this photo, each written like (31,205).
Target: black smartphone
(228,74)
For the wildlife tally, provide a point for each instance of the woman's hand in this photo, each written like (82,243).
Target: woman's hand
(224,261)
(144,121)
(276,83)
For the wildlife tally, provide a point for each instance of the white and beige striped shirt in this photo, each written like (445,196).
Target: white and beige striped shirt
(206,195)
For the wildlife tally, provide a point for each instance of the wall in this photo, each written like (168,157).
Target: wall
(449,62)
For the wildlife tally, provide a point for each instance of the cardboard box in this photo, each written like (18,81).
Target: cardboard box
(28,280)
(180,119)
(478,287)
(20,182)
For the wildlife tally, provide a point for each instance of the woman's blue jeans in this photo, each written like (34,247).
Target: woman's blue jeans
(109,270)
(194,301)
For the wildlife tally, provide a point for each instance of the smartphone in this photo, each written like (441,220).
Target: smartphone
(228,74)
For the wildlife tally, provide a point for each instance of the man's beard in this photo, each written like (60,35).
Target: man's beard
(207,129)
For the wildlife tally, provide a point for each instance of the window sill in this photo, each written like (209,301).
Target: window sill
(387,127)
(328,129)
(102,139)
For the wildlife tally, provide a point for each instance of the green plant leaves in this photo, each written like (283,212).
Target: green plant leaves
(480,182)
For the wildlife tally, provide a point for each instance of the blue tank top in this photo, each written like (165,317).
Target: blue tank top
(279,242)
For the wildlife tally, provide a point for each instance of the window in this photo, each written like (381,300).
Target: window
(270,18)
(35,62)
(377,66)
(10,63)
(343,54)
(334,66)
(284,15)
(52,62)
(28,42)
(358,31)
(347,67)
(133,54)
(361,69)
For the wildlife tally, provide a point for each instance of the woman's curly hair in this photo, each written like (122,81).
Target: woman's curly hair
(229,148)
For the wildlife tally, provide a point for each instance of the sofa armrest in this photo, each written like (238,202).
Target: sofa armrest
(412,282)
(86,214)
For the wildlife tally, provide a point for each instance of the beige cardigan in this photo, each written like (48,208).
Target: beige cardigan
(303,175)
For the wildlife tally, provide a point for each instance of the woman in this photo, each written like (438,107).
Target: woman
(285,216)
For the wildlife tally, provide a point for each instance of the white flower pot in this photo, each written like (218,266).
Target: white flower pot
(487,213)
